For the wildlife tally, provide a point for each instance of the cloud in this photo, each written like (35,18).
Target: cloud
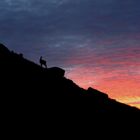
(37,19)
(108,65)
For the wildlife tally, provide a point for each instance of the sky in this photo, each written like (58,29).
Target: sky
(97,42)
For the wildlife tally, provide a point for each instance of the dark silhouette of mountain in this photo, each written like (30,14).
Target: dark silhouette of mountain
(28,88)
(42,102)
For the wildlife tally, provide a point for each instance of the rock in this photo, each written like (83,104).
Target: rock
(57,72)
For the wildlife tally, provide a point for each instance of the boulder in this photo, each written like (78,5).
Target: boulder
(57,72)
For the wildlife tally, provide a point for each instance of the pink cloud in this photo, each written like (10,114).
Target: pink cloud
(110,64)
(114,70)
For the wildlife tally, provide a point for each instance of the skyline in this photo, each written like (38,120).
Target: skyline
(97,42)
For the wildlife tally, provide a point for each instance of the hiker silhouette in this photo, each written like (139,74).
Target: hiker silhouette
(42,62)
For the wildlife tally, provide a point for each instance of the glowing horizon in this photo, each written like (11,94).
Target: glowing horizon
(123,90)
(117,74)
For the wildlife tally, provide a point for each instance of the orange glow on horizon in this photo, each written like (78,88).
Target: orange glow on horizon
(132,101)
(122,87)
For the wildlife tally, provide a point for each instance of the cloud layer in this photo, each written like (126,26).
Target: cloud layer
(96,41)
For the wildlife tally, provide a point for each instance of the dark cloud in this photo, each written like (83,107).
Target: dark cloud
(59,28)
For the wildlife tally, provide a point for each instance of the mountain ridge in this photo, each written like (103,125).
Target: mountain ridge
(32,86)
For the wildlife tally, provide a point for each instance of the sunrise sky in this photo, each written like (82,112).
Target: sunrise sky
(97,42)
